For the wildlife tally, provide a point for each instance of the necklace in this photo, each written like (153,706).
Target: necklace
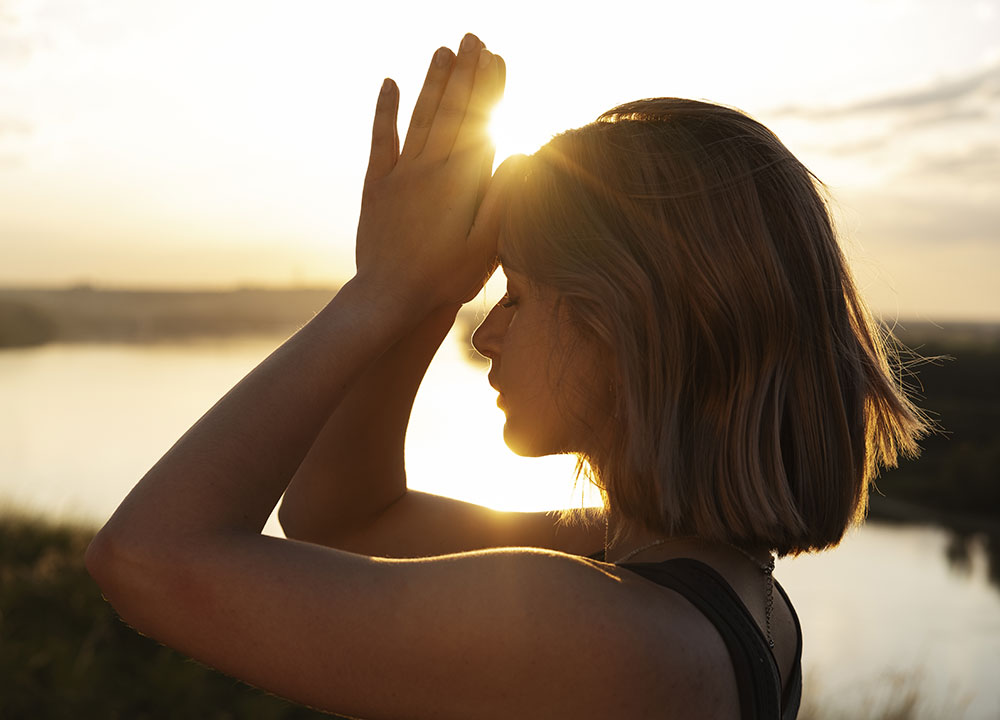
(640,549)
(767,568)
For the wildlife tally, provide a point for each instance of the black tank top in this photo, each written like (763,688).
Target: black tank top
(757,676)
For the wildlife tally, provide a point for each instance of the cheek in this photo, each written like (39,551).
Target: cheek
(558,408)
(586,395)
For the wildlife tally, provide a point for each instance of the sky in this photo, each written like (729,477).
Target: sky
(216,143)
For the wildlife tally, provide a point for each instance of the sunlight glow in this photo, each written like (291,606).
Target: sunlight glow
(514,130)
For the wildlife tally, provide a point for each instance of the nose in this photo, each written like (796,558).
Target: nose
(488,337)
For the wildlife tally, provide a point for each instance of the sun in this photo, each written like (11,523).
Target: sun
(515,131)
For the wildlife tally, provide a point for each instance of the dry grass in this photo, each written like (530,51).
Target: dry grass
(892,696)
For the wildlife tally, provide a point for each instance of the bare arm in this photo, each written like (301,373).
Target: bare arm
(354,470)
(350,490)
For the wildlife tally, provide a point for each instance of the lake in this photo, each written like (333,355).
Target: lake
(885,614)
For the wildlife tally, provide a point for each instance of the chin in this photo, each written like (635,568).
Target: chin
(528,444)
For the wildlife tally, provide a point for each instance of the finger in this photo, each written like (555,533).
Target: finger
(490,149)
(473,134)
(455,101)
(428,101)
(385,142)
(502,67)
(486,227)
(485,232)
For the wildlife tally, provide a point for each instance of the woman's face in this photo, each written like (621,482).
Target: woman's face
(553,387)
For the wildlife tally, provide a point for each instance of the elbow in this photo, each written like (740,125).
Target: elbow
(300,522)
(289,521)
(104,561)
(295,521)
(122,569)
(99,559)
(107,561)
(137,579)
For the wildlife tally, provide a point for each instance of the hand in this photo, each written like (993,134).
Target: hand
(418,205)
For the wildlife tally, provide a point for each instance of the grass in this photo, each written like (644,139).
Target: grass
(65,654)
(891,697)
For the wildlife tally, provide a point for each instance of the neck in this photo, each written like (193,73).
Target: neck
(634,543)
(641,545)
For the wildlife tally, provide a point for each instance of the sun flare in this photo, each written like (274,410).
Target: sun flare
(515,132)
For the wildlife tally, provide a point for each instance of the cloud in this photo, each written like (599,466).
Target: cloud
(929,137)
(982,161)
(11,161)
(16,46)
(892,218)
(943,99)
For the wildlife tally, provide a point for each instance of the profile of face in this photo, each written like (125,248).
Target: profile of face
(553,383)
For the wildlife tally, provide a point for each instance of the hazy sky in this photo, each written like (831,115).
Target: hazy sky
(217,142)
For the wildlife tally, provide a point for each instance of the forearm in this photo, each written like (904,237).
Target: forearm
(355,468)
(228,471)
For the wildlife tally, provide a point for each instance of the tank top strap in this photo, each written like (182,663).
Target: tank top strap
(758,679)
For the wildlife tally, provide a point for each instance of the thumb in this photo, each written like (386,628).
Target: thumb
(485,231)
(487,222)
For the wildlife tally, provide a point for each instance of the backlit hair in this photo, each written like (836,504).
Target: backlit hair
(753,396)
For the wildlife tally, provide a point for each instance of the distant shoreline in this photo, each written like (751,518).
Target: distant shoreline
(34,316)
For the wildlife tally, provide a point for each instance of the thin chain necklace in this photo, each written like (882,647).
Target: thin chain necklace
(766,568)
(639,550)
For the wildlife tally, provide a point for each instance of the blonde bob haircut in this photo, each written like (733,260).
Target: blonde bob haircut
(753,397)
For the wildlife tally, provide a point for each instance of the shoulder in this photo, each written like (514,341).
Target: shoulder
(652,650)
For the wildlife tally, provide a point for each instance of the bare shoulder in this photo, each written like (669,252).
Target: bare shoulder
(679,664)
(626,647)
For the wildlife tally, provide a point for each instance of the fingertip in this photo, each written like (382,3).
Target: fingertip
(485,59)
(470,43)
(443,57)
(388,89)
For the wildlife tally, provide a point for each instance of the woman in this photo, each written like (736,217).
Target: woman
(678,314)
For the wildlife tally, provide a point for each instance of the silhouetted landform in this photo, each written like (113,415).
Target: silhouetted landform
(958,472)
(30,317)
(85,314)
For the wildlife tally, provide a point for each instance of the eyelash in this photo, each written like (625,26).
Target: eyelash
(507,301)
